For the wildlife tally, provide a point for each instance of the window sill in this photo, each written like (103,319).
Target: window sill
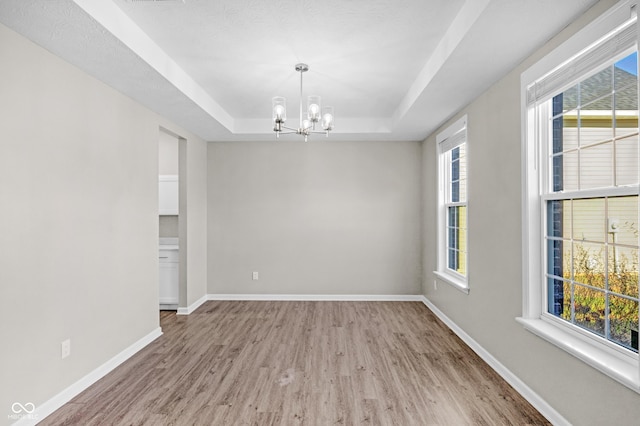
(620,368)
(457,283)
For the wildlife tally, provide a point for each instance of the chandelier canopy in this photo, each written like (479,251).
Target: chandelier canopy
(315,113)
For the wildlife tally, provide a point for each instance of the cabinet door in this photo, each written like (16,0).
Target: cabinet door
(168,283)
(168,195)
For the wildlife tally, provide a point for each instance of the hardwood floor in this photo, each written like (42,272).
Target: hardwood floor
(312,363)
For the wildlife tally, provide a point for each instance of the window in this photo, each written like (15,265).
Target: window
(452,213)
(581,175)
(592,203)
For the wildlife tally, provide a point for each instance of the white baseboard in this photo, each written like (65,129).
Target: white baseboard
(69,393)
(195,305)
(527,393)
(302,297)
(321,297)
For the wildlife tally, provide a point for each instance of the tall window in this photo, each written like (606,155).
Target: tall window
(581,176)
(592,203)
(452,215)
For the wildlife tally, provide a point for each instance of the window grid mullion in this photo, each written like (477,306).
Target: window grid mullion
(572,283)
(579,134)
(619,191)
(607,308)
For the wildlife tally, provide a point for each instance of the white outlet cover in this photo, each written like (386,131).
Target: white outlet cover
(65,348)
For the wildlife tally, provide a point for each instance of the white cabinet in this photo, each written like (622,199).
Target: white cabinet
(168,194)
(169,278)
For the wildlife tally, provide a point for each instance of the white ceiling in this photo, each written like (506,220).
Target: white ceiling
(392,69)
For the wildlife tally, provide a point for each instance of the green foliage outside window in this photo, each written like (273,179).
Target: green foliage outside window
(618,279)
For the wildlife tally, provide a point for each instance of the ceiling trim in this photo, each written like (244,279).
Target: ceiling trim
(460,26)
(114,20)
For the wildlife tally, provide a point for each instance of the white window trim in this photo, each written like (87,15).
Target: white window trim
(621,365)
(443,141)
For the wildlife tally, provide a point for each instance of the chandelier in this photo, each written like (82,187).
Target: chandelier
(315,113)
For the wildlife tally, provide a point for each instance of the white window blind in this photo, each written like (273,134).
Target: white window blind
(588,60)
(455,137)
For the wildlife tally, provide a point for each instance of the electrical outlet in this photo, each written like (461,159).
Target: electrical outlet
(65,349)
(255,276)
(435,284)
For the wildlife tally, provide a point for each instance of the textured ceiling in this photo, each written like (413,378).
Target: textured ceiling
(393,69)
(253,46)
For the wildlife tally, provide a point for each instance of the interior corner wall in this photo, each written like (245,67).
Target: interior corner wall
(193,226)
(78,224)
(197,223)
(581,394)
(321,217)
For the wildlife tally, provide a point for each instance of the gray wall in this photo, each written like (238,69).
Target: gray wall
(169,226)
(167,154)
(578,392)
(322,217)
(79,222)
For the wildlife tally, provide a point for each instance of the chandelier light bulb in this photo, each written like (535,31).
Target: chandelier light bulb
(327,122)
(313,108)
(279,109)
(327,118)
(279,112)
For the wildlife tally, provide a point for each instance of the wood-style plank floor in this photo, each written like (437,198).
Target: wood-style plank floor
(295,363)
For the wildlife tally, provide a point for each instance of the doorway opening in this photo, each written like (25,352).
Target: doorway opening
(168,218)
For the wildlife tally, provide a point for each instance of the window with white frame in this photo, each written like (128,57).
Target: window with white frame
(452,212)
(581,174)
